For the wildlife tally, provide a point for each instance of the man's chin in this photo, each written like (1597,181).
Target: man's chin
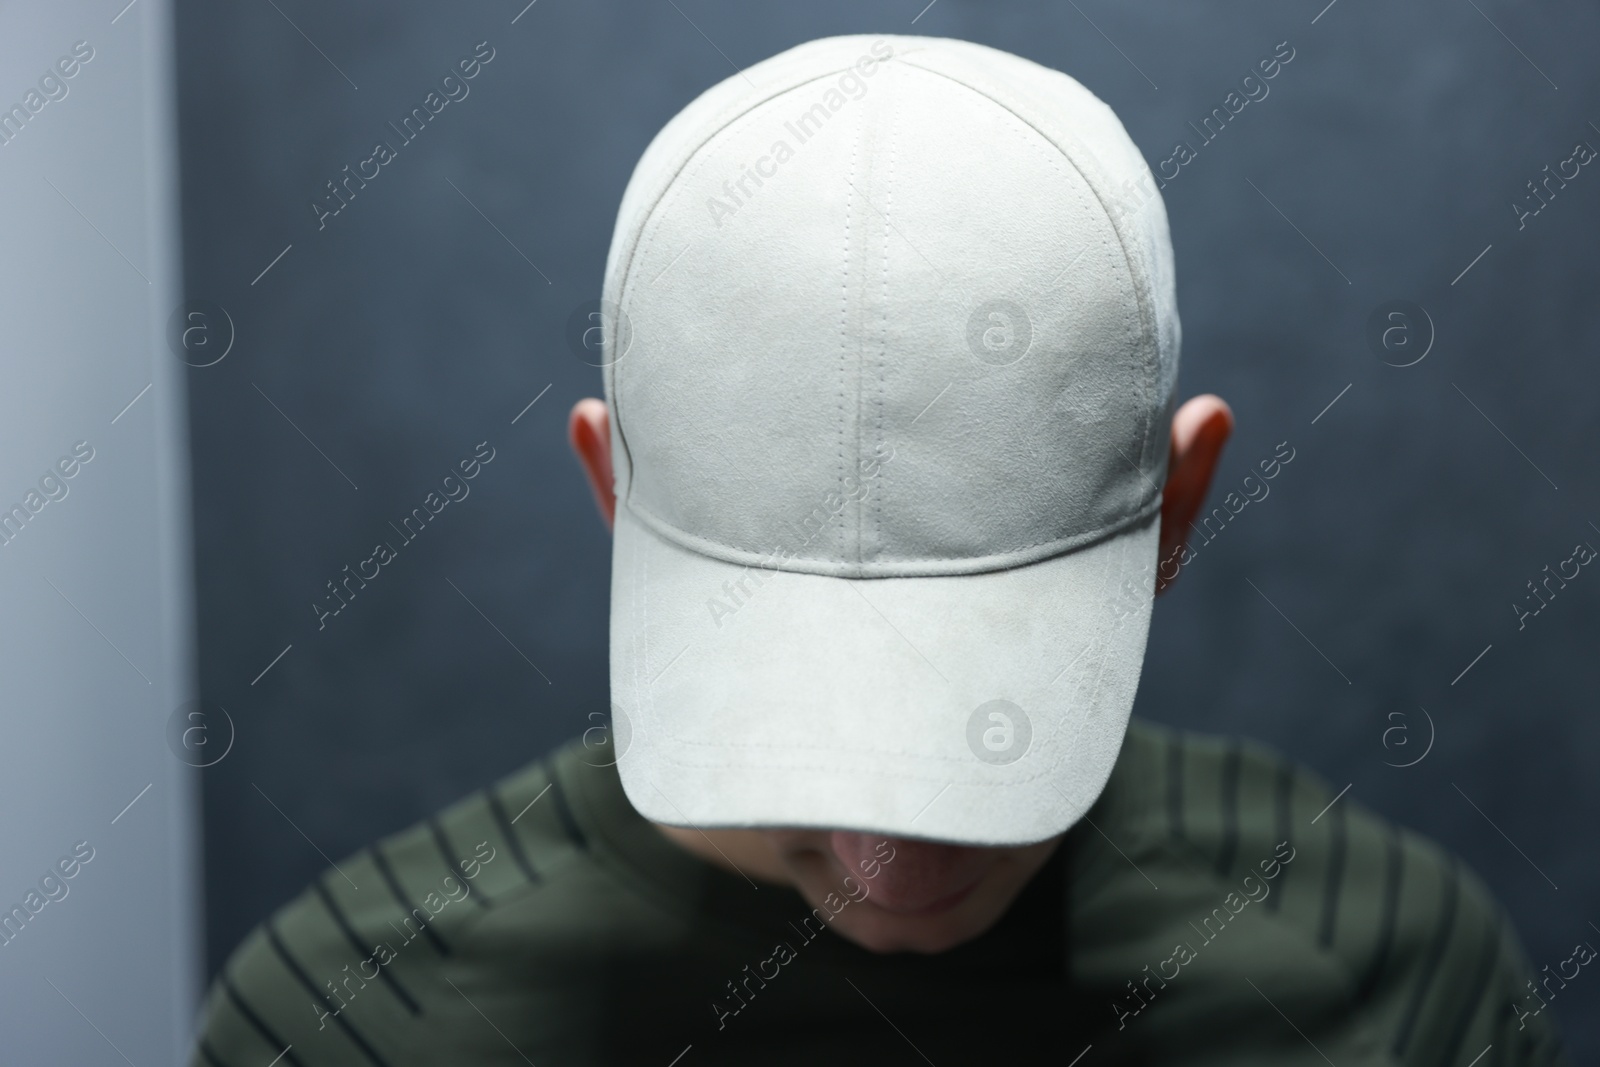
(929,931)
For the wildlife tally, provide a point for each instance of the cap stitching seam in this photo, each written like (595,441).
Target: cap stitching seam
(883,361)
(844,332)
(1070,543)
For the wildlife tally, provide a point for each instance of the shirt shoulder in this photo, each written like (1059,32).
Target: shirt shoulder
(358,968)
(1285,898)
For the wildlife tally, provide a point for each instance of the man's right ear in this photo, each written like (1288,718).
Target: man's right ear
(589,433)
(1199,430)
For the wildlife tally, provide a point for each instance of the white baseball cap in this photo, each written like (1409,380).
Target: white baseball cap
(890,357)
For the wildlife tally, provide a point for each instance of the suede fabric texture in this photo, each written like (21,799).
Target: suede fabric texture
(891,353)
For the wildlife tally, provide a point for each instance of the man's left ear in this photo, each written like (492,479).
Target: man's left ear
(1200,429)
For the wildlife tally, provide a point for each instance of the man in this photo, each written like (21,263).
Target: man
(890,347)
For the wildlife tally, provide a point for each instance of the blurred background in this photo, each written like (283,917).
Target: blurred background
(101,892)
(1386,264)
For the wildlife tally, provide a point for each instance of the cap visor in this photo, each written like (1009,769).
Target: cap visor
(982,709)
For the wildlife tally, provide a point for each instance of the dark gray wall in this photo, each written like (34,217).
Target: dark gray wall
(408,330)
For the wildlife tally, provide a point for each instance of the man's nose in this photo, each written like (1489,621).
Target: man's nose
(920,875)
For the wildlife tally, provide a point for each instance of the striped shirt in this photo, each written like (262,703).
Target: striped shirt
(1217,905)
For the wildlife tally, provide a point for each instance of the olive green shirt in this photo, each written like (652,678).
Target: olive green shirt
(1216,906)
